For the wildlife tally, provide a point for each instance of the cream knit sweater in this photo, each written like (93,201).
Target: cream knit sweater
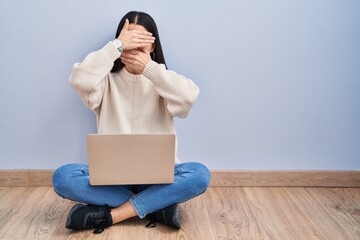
(129,104)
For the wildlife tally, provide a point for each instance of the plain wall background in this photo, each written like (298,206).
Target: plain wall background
(279,80)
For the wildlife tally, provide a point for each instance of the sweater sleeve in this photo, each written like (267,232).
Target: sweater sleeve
(178,92)
(89,78)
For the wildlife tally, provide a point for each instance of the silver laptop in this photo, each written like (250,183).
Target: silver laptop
(131,158)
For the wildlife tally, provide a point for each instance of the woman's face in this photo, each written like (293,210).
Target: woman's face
(147,49)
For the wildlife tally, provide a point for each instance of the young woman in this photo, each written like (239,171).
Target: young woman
(128,86)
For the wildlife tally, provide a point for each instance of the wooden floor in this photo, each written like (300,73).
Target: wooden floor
(220,213)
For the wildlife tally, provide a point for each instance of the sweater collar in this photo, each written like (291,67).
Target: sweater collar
(130,77)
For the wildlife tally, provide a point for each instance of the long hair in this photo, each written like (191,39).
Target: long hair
(148,23)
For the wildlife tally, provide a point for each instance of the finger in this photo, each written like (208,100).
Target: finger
(146,51)
(137,46)
(127,58)
(129,53)
(141,32)
(143,41)
(126,25)
(142,36)
(133,53)
(143,45)
(127,61)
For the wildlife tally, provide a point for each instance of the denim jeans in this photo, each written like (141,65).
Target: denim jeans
(71,181)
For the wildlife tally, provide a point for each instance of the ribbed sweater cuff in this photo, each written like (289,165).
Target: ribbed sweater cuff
(111,51)
(150,68)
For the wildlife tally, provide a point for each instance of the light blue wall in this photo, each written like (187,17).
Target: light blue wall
(279,80)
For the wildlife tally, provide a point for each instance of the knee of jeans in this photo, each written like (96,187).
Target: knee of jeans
(202,177)
(60,178)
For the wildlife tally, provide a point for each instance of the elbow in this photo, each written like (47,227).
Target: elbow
(182,108)
(75,81)
(81,79)
(86,93)
(183,113)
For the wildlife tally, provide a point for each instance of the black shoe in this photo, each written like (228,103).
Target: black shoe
(169,216)
(89,216)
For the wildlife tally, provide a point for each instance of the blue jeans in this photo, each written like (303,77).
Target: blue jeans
(71,181)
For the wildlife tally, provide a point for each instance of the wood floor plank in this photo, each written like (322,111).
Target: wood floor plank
(60,232)
(196,224)
(317,213)
(17,226)
(276,214)
(338,208)
(3,190)
(348,200)
(353,197)
(49,215)
(225,214)
(37,218)
(11,202)
(250,226)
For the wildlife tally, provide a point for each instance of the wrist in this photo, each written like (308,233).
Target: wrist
(150,68)
(118,44)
